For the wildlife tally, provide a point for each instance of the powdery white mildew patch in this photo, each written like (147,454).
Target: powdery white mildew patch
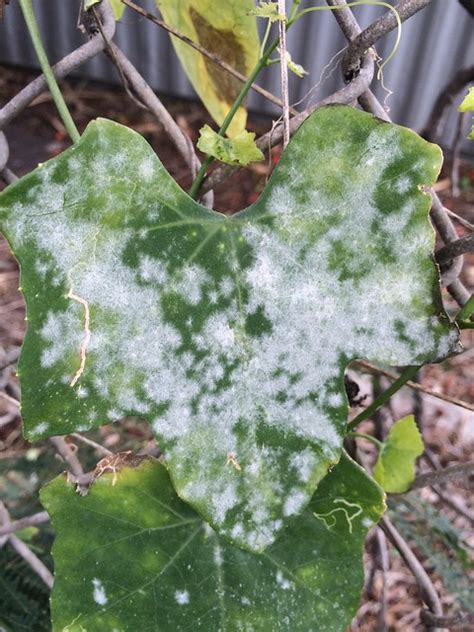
(230,335)
(181,597)
(99,592)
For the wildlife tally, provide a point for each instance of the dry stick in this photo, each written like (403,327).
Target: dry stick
(450,500)
(460,619)
(200,49)
(446,97)
(64,67)
(455,249)
(351,29)
(29,521)
(36,564)
(371,368)
(68,455)
(284,73)
(459,219)
(380,27)
(445,475)
(22,549)
(97,446)
(428,591)
(384,567)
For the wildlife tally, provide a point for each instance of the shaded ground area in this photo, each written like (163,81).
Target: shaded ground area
(440,531)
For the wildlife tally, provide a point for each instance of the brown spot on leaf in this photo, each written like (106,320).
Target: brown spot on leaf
(224,44)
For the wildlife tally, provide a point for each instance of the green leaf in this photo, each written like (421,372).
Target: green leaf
(229,334)
(269,11)
(225,29)
(239,150)
(117,7)
(395,467)
(468,102)
(468,106)
(131,556)
(297,69)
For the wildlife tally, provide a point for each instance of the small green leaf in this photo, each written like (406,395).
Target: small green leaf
(27,534)
(131,556)
(268,10)
(239,150)
(294,67)
(395,467)
(468,106)
(468,102)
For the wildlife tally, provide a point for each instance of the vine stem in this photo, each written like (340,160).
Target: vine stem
(284,74)
(363,435)
(262,62)
(407,375)
(466,310)
(32,24)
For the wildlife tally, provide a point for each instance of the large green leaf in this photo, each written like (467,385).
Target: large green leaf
(225,29)
(229,334)
(131,556)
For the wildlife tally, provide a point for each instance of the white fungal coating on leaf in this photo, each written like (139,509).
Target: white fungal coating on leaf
(229,335)
(99,592)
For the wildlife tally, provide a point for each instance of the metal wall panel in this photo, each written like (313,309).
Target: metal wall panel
(435,43)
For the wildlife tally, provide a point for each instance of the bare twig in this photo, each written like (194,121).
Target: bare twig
(455,249)
(22,523)
(351,29)
(371,368)
(446,97)
(36,564)
(68,455)
(64,67)
(460,619)
(284,73)
(10,399)
(384,559)
(428,591)
(459,219)
(463,471)
(372,34)
(11,357)
(211,56)
(97,446)
(22,549)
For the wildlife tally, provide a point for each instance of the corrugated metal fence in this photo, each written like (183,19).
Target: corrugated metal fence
(435,43)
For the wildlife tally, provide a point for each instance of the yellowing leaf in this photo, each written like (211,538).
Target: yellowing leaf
(240,150)
(225,29)
(268,10)
(395,468)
